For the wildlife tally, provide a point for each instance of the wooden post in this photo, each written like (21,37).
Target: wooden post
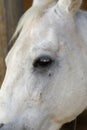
(3,40)
(10,12)
(27,4)
(14,10)
(84,5)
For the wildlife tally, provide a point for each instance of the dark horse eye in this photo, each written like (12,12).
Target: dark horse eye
(1,125)
(42,62)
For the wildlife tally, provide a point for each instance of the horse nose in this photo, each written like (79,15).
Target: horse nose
(1,125)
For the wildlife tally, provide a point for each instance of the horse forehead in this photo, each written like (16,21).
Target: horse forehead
(46,27)
(38,28)
(35,40)
(38,34)
(41,32)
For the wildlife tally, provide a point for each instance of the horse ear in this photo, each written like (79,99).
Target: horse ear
(69,6)
(36,1)
(45,2)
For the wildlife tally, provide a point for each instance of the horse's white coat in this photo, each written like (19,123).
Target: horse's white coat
(45,99)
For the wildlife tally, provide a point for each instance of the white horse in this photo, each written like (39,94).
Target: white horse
(46,79)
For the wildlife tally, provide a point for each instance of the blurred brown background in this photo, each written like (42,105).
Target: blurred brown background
(10,12)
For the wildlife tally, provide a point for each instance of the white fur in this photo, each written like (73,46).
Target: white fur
(31,99)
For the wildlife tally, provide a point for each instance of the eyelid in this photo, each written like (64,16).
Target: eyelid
(38,52)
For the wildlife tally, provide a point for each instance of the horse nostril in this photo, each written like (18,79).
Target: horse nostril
(1,125)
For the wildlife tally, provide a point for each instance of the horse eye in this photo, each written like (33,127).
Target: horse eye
(42,62)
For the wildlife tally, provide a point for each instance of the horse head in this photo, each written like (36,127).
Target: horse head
(45,84)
